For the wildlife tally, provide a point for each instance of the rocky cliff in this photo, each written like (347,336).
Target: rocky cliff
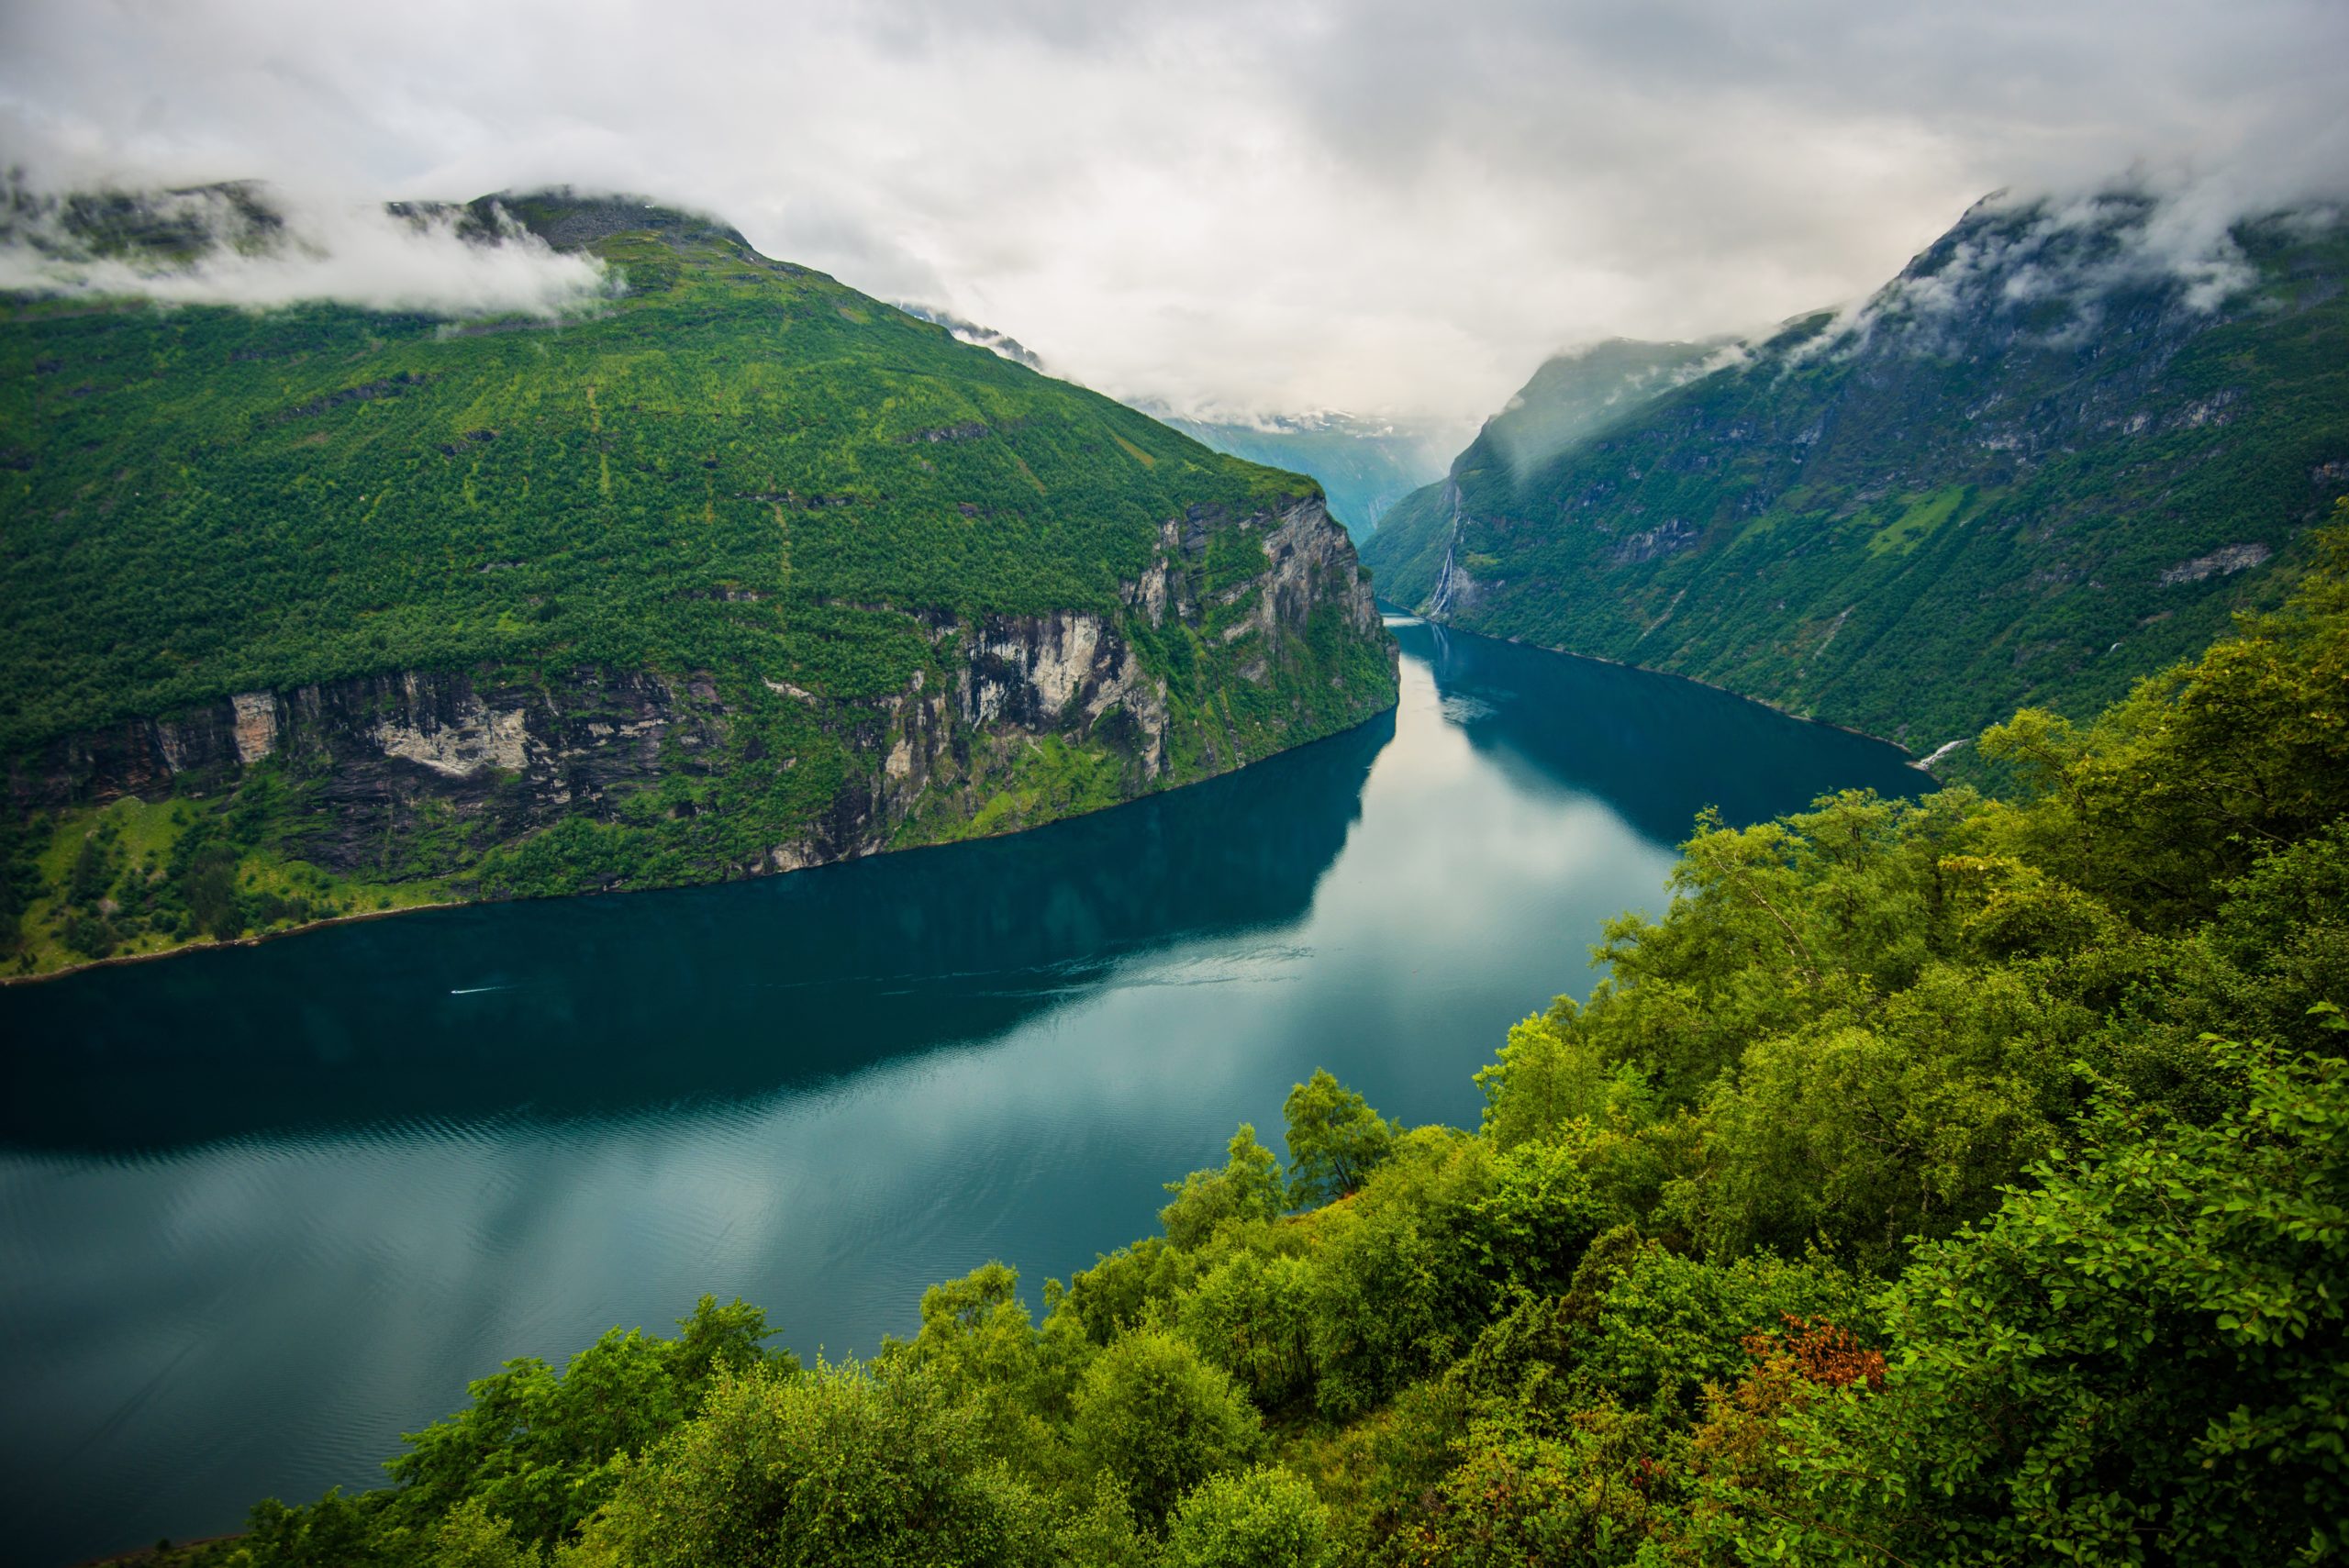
(452,778)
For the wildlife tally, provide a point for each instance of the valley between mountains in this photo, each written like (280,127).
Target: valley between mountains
(1931,1175)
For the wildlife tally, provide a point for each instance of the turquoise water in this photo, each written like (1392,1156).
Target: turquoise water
(263,1209)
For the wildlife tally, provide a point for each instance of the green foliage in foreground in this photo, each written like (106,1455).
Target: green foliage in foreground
(1899,1196)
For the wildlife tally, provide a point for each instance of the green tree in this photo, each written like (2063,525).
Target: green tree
(542,1451)
(1264,1517)
(982,1347)
(2143,1358)
(1523,1494)
(335,1532)
(1252,1315)
(472,1536)
(1400,1283)
(786,1469)
(1334,1138)
(1247,1188)
(1160,1420)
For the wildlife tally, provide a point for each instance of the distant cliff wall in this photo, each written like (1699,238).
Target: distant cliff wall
(468,760)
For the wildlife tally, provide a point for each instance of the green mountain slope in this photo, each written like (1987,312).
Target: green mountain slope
(322,608)
(2038,466)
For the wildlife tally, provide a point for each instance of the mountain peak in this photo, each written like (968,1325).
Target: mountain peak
(571,219)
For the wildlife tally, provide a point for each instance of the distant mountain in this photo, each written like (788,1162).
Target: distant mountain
(1365,466)
(1573,396)
(323,609)
(2046,459)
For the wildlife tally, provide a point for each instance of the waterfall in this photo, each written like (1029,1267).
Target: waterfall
(1440,602)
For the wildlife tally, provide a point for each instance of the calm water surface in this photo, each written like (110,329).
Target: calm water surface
(262,1211)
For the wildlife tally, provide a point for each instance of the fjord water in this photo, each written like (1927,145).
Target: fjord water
(263,1209)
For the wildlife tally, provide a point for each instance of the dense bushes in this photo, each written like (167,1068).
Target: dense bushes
(1894,1199)
(805,1470)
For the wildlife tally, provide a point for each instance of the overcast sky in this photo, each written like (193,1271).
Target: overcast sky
(1387,207)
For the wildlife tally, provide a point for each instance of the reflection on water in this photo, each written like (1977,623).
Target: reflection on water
(611,1005)
(260,1210)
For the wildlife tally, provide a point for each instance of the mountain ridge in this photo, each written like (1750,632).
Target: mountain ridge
(2130,461)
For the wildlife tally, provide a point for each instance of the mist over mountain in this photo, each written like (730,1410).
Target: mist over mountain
(971,332)
(1353,205)
(1572,397)
(248,245)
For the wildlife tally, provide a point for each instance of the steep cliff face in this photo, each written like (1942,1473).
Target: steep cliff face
(2044,461)
(479,781)
(373,762)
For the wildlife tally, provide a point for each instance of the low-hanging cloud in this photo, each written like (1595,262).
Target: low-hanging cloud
(2047,267)
(973,333)
(1373,205)
(253,249)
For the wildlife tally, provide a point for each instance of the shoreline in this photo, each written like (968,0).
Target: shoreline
(1921,763)
(254,939)
(257,937)
(1908,758)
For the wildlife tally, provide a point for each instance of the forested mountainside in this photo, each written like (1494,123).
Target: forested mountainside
(2040,464)
(321,610)
(1947,1181)
(1364,466)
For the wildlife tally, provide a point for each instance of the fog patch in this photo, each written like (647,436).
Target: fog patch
(1001,344)
(2045,268)
(1580,392)
(247,247)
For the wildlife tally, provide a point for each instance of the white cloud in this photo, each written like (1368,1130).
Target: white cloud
(1378,206)
(2018,254)
(356,254)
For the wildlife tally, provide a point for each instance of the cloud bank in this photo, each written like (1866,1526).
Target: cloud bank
(2049,268)
(242,248)
(1374,205)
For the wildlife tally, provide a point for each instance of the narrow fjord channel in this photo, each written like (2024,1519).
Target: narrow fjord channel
(263,1209)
